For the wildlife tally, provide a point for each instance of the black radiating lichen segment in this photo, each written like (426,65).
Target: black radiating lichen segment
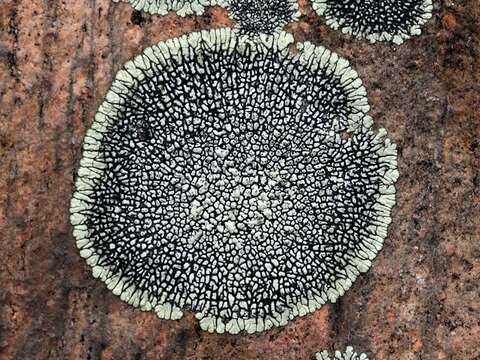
(181,7)
(262,16)
(376,20)
(349,354)
(233,179)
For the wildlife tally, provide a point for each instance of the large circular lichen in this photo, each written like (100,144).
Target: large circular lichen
(376,20)
(349,354)
(181,7)
(234,179)
(262,16)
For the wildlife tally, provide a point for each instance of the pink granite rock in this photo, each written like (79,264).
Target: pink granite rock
(419,300)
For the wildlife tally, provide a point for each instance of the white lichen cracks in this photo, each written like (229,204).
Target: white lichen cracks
(234,179)
(376,20)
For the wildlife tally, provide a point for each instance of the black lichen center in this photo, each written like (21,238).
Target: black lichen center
(227,189)
(261,16)
(376,16)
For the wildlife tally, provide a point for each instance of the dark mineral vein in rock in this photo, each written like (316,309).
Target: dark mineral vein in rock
(233,179)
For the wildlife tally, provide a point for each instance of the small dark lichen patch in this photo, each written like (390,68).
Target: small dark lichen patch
(376,20)
(262,16)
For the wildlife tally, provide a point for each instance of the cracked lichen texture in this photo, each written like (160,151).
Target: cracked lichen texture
(234,179)
(349,354)
(253,17)
(376,20)
(180,7)
(262,16)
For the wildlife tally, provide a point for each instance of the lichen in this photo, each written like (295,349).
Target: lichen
(349,354)
(181,7)
(234,179)
(376,20)
(262,16)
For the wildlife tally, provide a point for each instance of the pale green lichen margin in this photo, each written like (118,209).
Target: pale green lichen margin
(320,6)
(316,56)
(189,7)
(296,14)
(349,354)
(181,7)
(92,168)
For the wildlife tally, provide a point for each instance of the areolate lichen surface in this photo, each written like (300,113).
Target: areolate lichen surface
(254,17)
(233,179)
(376,20)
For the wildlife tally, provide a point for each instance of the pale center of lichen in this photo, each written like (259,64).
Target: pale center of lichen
(230,200)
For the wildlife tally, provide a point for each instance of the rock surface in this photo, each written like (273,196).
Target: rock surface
(419,300)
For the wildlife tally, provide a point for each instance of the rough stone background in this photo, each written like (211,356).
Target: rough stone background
(420,300)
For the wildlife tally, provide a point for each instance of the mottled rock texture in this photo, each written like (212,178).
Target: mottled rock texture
(419,300)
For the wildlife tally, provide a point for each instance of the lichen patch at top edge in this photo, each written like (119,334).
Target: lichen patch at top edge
(376,21)
(254,17)
(181,8)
